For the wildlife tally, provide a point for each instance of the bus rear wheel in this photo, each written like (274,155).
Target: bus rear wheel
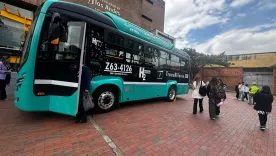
(171,94)
(105,99)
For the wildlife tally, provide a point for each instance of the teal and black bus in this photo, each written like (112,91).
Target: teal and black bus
(127,62)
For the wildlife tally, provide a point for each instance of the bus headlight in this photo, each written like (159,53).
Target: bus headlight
(18,87)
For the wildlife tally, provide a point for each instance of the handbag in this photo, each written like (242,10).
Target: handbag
(87,102)
(202,90)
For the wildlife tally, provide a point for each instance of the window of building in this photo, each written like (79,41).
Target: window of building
(146,17)
(229,58)
(240,57)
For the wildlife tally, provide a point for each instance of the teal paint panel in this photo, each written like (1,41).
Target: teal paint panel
(180,89)
(132,29)
(148,91)
(64,104)
(24,97)
(128,93)
(98,81)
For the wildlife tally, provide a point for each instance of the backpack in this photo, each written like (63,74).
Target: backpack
(202,90)
(221,92)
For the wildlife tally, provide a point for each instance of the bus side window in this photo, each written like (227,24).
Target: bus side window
(96,51)
(45,52)
(134,58)
(115,39)
(163,60)
(114,53)
(183,66)
(135,53)
(175,63)
(151,57)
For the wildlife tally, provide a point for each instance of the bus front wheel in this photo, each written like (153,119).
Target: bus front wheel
(105,99)
(171,94)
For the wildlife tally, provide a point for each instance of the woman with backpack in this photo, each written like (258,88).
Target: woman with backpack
(216,94)
(264,100)
(197,84)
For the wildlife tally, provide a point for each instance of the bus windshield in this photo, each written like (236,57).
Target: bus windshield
(26,48)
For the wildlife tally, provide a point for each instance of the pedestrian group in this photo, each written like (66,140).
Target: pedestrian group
(216,92)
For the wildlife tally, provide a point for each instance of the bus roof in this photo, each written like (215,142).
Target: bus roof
(132,29)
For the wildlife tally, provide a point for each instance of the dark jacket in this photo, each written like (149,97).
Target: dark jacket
(237,88)
(208,88)
(8,79)
(263,101)
(85,79)
(216,94)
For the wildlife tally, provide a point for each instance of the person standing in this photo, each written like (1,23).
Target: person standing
(3,73)
(245,92)
(237,91)
(252,91)
(264,100)
(84,89)
(240,91)
(196,96)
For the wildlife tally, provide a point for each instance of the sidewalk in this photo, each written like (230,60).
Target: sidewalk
(23,133)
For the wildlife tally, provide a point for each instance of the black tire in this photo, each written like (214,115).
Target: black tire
(105,93)
(169,98)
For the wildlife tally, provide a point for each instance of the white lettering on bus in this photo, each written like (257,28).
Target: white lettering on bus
(176,75)
(119,68)
(142,73)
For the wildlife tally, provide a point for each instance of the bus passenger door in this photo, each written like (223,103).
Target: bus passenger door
(58,69)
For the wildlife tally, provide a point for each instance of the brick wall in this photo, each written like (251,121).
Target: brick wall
(230,76)
(274,81)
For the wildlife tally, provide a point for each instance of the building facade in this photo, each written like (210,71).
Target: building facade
(258,67)
(148,14)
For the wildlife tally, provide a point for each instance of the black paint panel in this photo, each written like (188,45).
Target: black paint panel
(54,90)
(85,11)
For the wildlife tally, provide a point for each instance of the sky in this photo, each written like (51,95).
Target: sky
(216,26)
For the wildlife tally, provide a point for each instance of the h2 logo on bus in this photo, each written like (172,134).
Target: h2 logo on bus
(119,68)
(142,73)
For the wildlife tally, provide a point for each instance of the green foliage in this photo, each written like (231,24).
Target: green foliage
(199,60)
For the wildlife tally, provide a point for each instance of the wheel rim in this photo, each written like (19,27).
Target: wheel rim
(106,100)
(172,94)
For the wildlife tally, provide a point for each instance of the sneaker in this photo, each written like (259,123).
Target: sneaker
(262,128)
(213,118)
(6,99)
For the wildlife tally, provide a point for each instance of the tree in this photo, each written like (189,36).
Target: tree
(200,60)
